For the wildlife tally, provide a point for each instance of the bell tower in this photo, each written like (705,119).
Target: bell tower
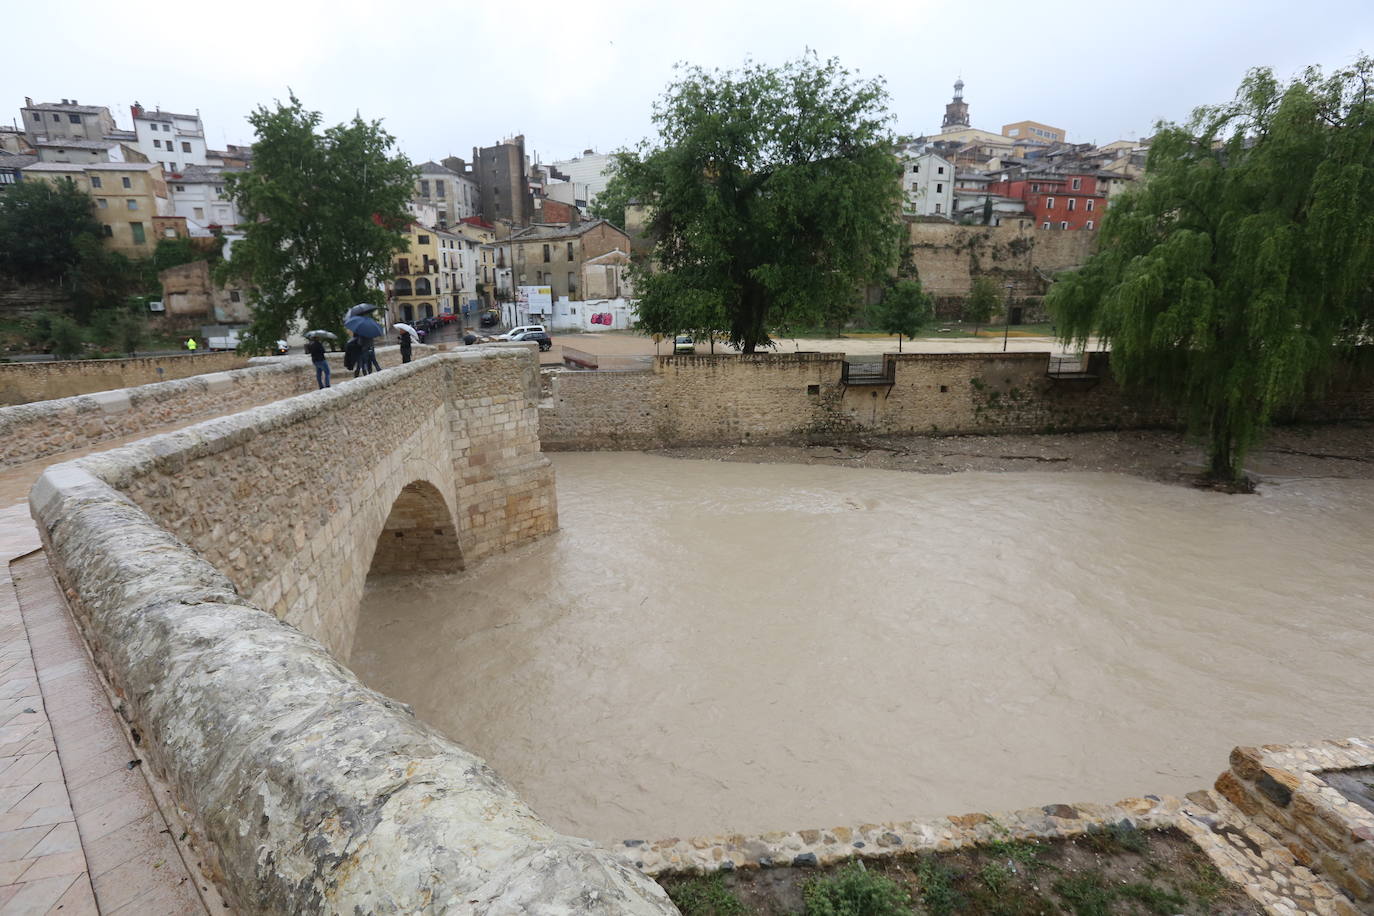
(956,112)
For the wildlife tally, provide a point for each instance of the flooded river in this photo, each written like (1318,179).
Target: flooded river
(708,647)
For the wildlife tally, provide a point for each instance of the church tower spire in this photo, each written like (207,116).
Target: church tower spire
(956,112)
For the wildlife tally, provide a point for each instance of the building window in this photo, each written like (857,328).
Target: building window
(422,240)
(234,295)
(38,117)
(570,254)
(439,189)
(199,212)
(1064,225)
(546,254)
(402,287)
(137,230)
(403,266)
(185,146)
(1088,205)
(572,281)
(102,203)
(1035,187)
(940,170)
(56,117)
(1045,226)
(939,189)
(1014,132)
(422,287)
(131,203)
(1088,224)
(1049,203)
(95,181)
(219,191)
(157,144)
(424,188)
(126,182)
(1077,183)
(109,231)
(916,169)
(1071,202)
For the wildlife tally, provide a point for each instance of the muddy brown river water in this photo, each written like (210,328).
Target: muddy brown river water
(708,647)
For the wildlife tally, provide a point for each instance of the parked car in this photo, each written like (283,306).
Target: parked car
(540,337)
(684,344)
(514,333)
(489,319)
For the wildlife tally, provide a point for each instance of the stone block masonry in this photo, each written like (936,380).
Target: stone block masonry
(23,383)
(211,617)
(757,400)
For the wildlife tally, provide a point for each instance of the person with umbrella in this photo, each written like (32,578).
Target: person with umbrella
(407,333)
(316,350)
(365,331)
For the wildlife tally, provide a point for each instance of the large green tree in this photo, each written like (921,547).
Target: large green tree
(322,214)
(46,230)
(772,193)
(1237,276)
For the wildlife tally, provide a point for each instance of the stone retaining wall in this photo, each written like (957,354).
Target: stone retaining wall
(729,400)
(22,383)
(311,793)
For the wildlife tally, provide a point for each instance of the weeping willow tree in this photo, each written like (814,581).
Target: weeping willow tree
(1239,274)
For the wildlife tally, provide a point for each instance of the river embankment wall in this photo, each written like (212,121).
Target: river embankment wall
(761,399)
(210,570)
(23,383)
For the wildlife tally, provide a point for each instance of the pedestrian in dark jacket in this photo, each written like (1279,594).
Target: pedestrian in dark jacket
(316,350)
(405,346)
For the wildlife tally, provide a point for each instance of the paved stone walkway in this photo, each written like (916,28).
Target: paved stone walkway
(81,828)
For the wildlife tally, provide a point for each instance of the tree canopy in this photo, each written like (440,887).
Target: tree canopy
(983,298)
(45,229)
(773,194)
(323,214)
(1235,278)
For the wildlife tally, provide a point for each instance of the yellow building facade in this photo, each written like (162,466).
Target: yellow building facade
(131,201)
(416,283)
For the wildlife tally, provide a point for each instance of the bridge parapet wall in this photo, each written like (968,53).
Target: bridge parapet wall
(188,556)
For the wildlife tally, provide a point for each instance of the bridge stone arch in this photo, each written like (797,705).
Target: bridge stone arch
(419,534)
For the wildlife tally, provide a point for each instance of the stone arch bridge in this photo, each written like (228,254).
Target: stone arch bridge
(216,573)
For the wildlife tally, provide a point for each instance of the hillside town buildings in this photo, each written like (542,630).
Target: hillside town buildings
(483,227)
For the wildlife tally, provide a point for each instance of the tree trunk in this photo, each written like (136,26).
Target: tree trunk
(1222,448)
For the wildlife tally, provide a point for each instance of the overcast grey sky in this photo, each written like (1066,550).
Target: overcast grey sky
(445,75)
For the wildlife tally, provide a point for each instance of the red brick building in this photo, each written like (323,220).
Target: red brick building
(1058,201)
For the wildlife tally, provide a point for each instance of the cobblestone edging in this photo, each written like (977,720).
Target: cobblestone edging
(1274,826)
(310,792)
(812,848)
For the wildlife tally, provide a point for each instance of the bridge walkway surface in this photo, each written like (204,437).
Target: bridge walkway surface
(82,826)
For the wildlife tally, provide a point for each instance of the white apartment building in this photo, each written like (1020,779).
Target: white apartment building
(175,140)
(587,174)
(454,196)
(928,183)
(197,193)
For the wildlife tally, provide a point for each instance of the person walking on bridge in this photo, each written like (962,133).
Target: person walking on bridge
(316,350)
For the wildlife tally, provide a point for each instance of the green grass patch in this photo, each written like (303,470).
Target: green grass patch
(706,896)
(853,890)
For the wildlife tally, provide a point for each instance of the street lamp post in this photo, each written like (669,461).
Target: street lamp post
(1006,325)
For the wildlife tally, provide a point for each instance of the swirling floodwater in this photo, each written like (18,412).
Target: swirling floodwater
(709,647)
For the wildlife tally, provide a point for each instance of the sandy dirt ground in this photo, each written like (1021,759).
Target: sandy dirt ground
(1343,451)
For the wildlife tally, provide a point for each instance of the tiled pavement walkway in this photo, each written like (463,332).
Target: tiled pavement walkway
(81,830)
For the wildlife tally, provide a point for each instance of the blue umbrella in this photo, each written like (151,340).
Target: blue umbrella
(364,326)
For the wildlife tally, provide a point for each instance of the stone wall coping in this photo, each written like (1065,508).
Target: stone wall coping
(309,792)
(218,434)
